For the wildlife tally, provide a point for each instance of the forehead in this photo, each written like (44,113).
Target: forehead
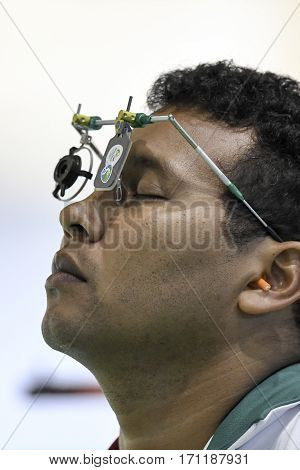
(162,143)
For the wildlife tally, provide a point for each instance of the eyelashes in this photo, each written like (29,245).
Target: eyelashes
(149,197)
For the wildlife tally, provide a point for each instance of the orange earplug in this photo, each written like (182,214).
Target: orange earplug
(264,285)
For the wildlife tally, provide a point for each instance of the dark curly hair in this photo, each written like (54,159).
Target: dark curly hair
(268,173)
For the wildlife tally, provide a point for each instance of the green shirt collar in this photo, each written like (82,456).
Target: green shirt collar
(281,388)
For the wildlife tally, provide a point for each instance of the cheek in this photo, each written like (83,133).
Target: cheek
(150,245)
(186,229)
(147,229)
(148,249)
(165,226)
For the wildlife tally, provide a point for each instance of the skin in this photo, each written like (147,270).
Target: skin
(175,337)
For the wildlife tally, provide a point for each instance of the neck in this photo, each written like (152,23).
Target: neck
(161,409)
(177,401)
(185,418)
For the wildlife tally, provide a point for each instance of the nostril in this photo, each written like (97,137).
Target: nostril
(78,231)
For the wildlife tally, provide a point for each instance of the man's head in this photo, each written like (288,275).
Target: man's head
(169,273)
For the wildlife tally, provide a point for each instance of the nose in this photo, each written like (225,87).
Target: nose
(85,221)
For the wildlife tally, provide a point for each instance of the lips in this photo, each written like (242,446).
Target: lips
(62,262)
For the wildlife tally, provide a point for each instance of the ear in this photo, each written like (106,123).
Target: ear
(280,267)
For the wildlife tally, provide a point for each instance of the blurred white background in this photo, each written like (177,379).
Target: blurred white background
(97,52)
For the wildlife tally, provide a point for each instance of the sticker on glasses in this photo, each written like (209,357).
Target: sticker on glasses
(113,162)
(114,155)
(106,173)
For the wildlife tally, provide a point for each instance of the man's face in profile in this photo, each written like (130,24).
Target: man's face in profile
(141,261)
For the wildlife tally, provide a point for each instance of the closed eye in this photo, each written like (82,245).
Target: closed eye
(148,196)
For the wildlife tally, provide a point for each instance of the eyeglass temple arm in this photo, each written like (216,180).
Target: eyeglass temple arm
(226,181)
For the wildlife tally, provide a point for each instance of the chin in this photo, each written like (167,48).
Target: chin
(61,337)
(62,320)
(53,334)
(60,327)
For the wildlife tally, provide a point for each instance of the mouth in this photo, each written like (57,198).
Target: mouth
(64,269)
